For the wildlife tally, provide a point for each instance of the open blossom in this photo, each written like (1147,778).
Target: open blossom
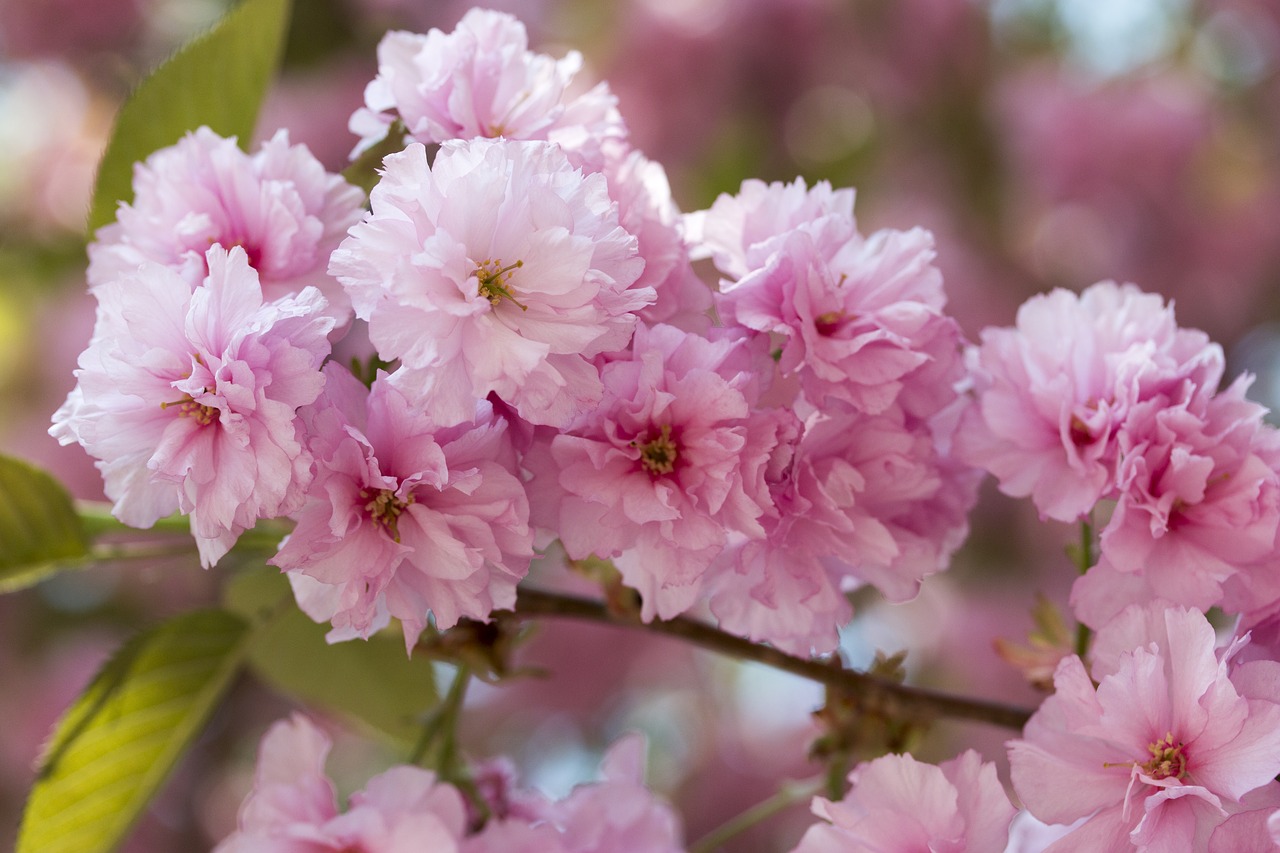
(1163,749)
(481,80)
(741,232)
(1054,392)
(498,269)
(279,204)
(861,320)
(663,470)
(861,499)
(897,804)
(293,806)
(405,517)
(1199,502)
(188,398)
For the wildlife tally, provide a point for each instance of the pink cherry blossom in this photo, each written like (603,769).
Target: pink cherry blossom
(292,807)
(188,399)
(1161,750)
(1054,391)
(663,470)
(499,268)
(741,232)
(617,814)
(405,517)
(1199,502)
(481,80)
(861,499)
(897,804)
(278,204)
(861,320)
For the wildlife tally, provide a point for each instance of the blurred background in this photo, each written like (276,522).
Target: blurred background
(1046,143)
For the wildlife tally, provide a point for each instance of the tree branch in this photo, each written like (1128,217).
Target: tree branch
(874,695)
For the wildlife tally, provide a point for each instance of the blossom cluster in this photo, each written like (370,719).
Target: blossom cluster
(1102,397)
(293,806)
(547,366)
(555,372)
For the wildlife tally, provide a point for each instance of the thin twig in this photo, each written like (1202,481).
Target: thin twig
(885,697)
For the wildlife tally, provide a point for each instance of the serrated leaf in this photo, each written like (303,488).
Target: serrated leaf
(119,740)
(372,682)
(217,79)
(39,526)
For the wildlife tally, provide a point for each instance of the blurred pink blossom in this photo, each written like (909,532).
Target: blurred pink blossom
(897,803)
(293,806)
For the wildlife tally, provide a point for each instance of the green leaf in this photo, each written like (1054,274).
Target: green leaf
(218,79)
(39,526)
(371,682)
(118,741)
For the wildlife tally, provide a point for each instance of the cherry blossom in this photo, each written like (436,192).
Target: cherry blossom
(188,398)
(897,803)
(293,806)
(481,80)
(662,471)
(861,321)
(1199,502)
(1162,749)
(859,499)
(279,204)
(1054,391)
(498,268)
(405,517)
(741,232)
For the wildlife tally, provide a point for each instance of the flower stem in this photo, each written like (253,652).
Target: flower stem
(874,695)
(788,795)
(1085,560)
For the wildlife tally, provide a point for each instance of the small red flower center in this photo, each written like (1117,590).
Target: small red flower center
(384,508)
(828,323)
(658,455)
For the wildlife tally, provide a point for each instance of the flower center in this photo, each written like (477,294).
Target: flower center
(493,278)
(1168,759)
(189,408)
(658,456)
(384,509)
(827,324)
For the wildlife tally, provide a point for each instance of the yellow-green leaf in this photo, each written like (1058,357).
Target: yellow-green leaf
(218,79)
(118,741)
(373,682)
(39,526)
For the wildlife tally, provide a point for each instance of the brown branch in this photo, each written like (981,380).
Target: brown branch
(893,700)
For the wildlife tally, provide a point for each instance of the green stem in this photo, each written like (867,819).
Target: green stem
(437,746)
(788,795)
(1086,560)
(874,695)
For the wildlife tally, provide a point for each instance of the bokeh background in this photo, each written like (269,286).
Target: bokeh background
(1046,143)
